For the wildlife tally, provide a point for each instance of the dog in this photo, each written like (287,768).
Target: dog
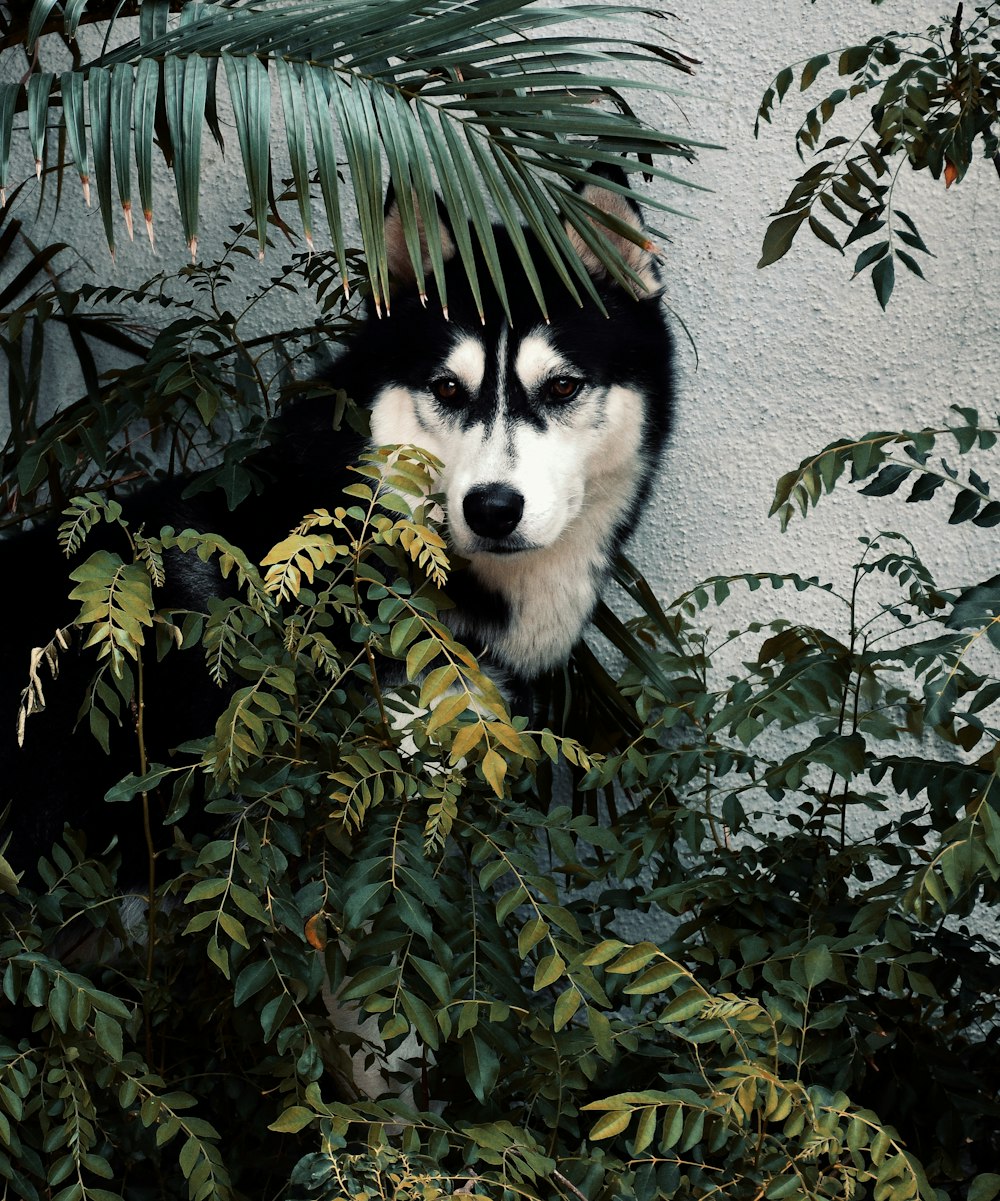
(550,430)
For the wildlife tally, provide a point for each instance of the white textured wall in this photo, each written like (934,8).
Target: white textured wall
(792,356)
(795,355)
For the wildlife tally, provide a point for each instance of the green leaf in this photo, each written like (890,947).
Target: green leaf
(317,100)
(870,255)
(185,89)
(818,965)
(352,103)
(783,81)
(250,92)
(631,959)
(688,1005)
(786,1185)
(655,979)
(611,1124)
(888,480)
(604,951)
(420,656)
(120,120)
(71,86)
(292,1120)
(147,82)
(39,90)
(295,122)
(984,1187)
(109,1036)
(36,21)
(99,82)
(548,971)
(853,59)
(812,69)
(824,234)
(421,1018)
(780,235)
(494,768)
(249,903)
(883,278)
(9,93)
(481,1066)
(567,1003)
(252,979)
(909,262)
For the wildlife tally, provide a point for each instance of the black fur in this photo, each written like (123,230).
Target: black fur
(61,773)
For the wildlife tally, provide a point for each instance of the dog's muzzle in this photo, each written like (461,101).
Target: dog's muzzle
(493,510)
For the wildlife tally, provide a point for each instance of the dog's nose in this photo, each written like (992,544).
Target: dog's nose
(492,510)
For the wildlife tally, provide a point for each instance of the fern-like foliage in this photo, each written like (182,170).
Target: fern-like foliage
(415,854)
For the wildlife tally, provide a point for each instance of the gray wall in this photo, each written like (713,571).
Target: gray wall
(796,355)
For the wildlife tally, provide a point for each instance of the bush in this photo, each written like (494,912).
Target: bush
(816,975)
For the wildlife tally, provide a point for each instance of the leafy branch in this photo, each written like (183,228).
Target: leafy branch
(936,97)
(878,452)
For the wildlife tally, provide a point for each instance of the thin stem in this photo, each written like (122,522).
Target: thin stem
(147,826)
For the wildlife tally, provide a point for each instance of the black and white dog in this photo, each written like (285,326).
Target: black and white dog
(549,432)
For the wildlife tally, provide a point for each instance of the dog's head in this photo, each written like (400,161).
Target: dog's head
(538,422)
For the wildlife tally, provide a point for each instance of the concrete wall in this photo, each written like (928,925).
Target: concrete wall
(790,357)
(796,355)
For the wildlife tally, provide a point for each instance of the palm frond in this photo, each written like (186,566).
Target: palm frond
(493,105)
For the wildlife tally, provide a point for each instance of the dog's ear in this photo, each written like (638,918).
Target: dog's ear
(641,259)
(400,262)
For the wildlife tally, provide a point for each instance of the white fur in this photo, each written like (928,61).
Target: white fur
(467,362)
(538,361)
(577,478)
(552,591)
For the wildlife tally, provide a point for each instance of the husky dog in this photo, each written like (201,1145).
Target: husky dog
(549,430)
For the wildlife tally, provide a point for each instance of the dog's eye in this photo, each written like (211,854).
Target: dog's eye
(563,387)
(447,389)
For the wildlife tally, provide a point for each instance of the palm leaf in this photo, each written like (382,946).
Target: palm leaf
(147,82)
(121,99)
(39,13)
(72,99)
(495,106)
(250,90)
(8,101)
(99,85)
(185,86)
(318,107)
(293,107)
(39,90)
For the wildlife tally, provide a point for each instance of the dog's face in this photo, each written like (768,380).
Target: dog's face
(527,427)
(535,421)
